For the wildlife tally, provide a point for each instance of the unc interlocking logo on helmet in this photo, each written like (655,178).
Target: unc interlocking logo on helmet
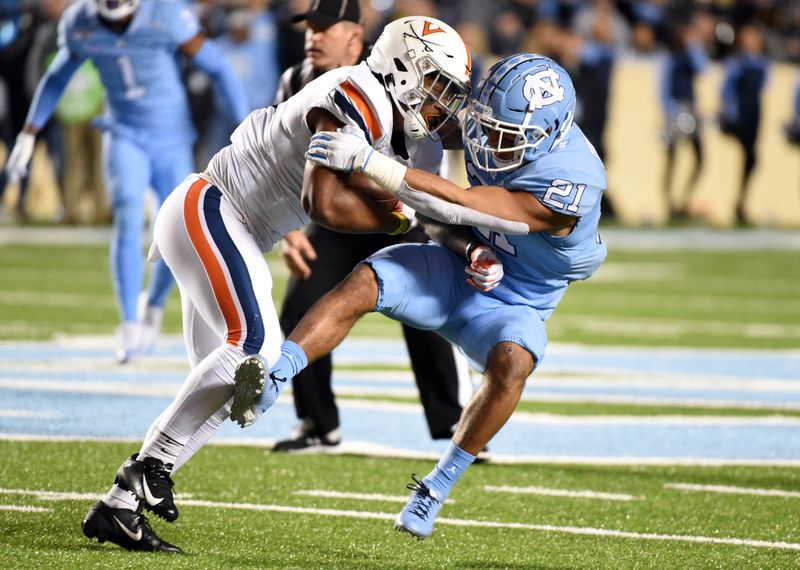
(542,89)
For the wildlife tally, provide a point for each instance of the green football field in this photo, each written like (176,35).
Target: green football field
(244,507)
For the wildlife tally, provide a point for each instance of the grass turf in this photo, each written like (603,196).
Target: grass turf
(670,298)
(731,299)
(215,537)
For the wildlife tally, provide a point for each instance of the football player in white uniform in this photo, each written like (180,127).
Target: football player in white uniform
(213,229)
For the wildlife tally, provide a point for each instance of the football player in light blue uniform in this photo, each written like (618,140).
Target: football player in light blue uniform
(148,130)
(529,166)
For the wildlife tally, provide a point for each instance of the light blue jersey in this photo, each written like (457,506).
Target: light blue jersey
(424,285)
(538,267)
(139,68)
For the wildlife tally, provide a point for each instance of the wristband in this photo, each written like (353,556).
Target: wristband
(405,224)
(471,247)
(385,172)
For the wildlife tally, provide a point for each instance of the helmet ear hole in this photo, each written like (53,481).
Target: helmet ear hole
(399,65)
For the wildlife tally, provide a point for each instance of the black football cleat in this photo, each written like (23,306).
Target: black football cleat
(149,480)
(125,528)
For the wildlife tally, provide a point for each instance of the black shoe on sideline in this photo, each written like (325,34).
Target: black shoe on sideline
(305,442)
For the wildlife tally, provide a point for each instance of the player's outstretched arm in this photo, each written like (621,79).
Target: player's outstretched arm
(45,99)
(490,207)
(204,54)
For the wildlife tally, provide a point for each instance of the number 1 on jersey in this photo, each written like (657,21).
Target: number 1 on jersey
(132,89)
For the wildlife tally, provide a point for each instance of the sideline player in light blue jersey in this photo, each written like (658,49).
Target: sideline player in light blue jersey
(529,165)
(148,129)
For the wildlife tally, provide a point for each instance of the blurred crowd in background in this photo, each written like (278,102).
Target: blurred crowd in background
(588,37)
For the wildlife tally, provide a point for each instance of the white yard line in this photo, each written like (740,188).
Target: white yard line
(583,531)
(357,496)
(84,387)
(24,509)
(5,413)
(585,494)
(728,489)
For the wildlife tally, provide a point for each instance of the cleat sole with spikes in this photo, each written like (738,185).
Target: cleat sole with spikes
(249,380)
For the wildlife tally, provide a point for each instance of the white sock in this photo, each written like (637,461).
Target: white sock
(163,447)
(207,388)
(119,498)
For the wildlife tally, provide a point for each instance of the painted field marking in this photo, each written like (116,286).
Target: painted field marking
(357,496)
(585,494)
(24,509)
(63,496)
(80,387)
(585,531)
(11,413)
(582,531)
(728,489)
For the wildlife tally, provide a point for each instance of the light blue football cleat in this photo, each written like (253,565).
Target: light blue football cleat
(254,390)
(419,514)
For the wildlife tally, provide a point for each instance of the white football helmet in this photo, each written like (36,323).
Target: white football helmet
(114,10)
(421,59)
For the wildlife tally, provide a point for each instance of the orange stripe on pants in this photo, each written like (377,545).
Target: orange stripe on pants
(216,276)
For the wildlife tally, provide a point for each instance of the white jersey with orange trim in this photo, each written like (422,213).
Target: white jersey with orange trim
(261,171)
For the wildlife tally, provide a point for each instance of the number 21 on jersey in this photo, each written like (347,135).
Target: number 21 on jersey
(559,191)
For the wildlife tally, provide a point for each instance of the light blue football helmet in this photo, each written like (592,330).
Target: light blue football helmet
(525,106)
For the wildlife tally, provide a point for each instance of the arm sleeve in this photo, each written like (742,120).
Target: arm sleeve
(51,87)
(454,214)
(210,60)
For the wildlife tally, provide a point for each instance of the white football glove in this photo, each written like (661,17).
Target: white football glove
(485,271)
(345,149)
(17,163)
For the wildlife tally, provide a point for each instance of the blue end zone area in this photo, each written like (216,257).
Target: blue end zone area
(74,389)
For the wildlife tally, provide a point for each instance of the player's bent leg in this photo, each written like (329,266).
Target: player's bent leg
(123,527)
(330,319)
(496,399)
(488,410)
(127,176)
(256,386)
(221,270)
